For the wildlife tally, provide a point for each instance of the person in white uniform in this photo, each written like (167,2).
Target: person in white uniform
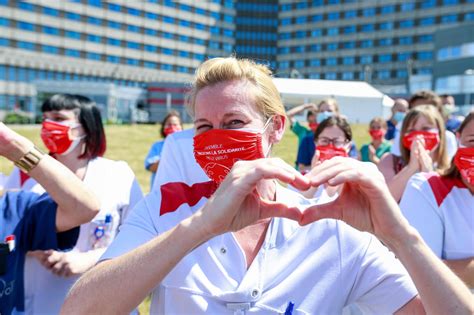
(441,207)
(73,133)
(240,249)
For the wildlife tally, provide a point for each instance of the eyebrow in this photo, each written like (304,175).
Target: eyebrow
(227,115)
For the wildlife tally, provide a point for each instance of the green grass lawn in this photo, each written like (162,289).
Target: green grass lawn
(131,144)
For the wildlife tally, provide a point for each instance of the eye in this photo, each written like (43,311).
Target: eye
(236,123)
(203,127)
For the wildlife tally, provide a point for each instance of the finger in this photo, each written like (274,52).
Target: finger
(279,171)
(329,169)
(328,210)
(270,209)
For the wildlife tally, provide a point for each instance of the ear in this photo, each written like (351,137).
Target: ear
(278,128)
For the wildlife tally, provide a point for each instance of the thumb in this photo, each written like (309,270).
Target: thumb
(271,209)
(317,212)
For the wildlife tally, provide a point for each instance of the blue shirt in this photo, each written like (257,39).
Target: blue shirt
(390,130)
(31,218)
(307,148)
(153,156)
(453,124)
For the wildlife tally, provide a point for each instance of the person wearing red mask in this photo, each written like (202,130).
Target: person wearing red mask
(234,245)
(170,124)
(422,146)
(374,151)
(441,207)
(73,133)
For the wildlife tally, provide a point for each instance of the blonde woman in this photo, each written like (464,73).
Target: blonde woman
(422,146)
(241,248)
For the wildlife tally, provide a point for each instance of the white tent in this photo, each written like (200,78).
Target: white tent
(358,101)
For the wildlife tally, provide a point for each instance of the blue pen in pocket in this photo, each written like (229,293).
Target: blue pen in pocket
(289,308)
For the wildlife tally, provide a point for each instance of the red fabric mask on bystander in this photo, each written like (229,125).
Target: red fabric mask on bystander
(171,129)
(327,152)
(55,136)
(376,134)
(431,139)
(464,161)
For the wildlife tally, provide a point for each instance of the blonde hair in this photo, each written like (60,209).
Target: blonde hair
(331,102)
(434,117)
(218,70)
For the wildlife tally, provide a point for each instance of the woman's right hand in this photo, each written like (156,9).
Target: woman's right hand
(415,149)
(315,160)
(238,203)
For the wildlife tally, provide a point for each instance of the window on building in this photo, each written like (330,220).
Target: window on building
(317,18)
(387,9)
(50,30)
(26,45)
(301,19)
(72,52)
(113,24)
(316,32)
(26,6)
(367,28)
(332,46)
(315,47)
(151,32)
(50,49)
(405,40)
(368,43)
(385,41)
(299,64)
(366,59)
(331,61)
(286,21)
(383,74)
(349,45)
(384,58)
(4,42)
(94,38)
(315,76)
(72,16)
(426,4)
(333,16)
(385,26)
(330,76)
(450,2)
(348,60)
(284,50)
(424,55)
(407,6)
(4,21)
(368,12)
(93,56)
(403,56)
(406,23)
(348,75)
(349,29)
(401,73)
(427,21)
(150,64)
(94,20)
(350,14)
(50,11)
(133,45)
(450,18)
(283,64)
(469,16)
(333,31)
(427,38)
(113,59)
(26,26)
(133,11)
(133,28)
(315,63)
(132,61)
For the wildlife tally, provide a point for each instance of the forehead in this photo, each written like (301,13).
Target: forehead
(63,113)
(225,98)
(326,107)
(332,132)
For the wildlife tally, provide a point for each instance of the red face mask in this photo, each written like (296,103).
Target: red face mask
(55,137)
(217,150)
(171,129)
(376,134)
(327,152)
(464,161)
(313,126)
(431,139)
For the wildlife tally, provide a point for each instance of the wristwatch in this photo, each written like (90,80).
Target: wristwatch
(29,160)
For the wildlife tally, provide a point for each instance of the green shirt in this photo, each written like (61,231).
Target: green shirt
(300,131)
(383,148)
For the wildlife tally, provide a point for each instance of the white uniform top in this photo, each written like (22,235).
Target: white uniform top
(451,144)
(115,185)
(319,268)
(177,163)
(442,210)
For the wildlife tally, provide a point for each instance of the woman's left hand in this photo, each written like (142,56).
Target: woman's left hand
(64,264)
(364,201)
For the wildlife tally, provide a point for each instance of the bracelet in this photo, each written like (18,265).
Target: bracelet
(29,160)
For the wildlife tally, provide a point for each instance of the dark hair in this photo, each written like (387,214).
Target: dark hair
(429,97)
(171,113)
(453,171)
(334,121)
(89,117)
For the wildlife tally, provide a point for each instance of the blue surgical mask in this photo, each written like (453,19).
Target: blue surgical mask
(399,116)
(322,116)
